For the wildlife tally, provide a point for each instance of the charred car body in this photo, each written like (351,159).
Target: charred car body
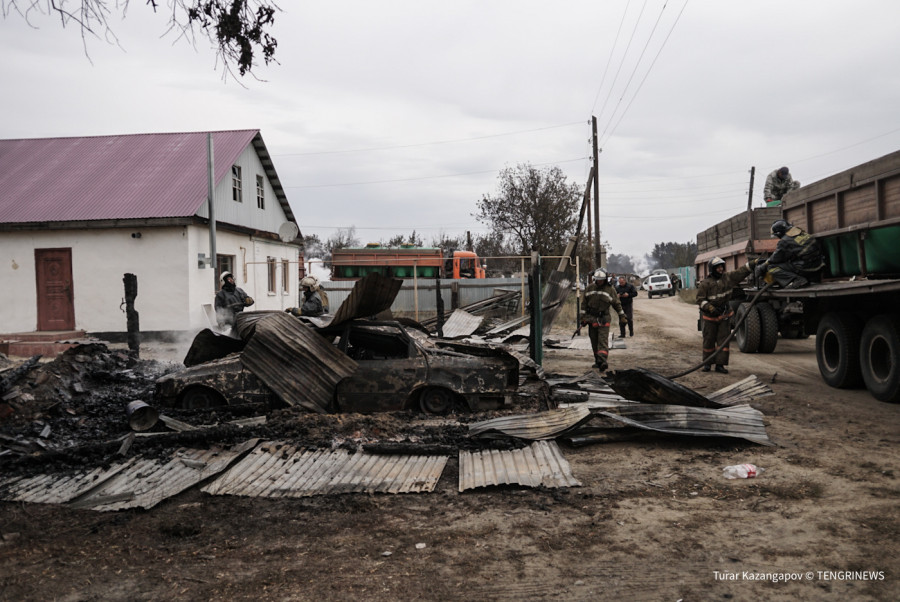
(352,366)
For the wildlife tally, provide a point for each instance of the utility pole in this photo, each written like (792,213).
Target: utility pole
(750,194)
(210,191)
(597,258)
(751,223)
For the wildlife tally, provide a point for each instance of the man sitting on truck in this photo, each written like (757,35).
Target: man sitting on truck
(797,258)
(778,184)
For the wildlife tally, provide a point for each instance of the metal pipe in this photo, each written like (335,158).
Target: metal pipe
(210,191)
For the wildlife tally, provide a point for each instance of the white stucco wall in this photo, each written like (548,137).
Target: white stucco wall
(171,287)
(100,259)
(250,271)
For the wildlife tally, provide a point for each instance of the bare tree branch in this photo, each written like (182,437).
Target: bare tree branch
(238,29)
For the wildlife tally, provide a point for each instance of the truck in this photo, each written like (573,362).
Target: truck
(854,312)
(406,261)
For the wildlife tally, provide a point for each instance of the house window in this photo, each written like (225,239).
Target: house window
(224,263)
(260,192)
(285,276)
(270,262)
(236,184)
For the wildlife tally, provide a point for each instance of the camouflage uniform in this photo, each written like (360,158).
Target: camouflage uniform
(598,297)
(713,295)
(776,187)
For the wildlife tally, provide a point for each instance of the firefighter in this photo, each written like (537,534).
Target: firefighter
(230,300)
(713,295)
(797,258)
(312,301)
(598,297)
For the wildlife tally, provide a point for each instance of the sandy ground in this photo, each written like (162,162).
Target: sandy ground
(654,519)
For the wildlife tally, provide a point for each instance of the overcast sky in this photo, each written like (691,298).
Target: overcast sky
(396,116)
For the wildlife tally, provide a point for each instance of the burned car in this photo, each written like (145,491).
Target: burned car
(391,369)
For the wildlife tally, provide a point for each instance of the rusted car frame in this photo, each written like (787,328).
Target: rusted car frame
(395,372)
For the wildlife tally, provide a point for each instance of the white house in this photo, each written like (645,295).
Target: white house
(77,214)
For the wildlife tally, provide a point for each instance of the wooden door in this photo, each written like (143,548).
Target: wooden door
(55,293)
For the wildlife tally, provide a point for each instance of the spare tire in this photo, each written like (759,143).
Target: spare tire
(837,350)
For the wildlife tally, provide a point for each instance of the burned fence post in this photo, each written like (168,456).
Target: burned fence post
(534,298)
(439,305)
(132,317)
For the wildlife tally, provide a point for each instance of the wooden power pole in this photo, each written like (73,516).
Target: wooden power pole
(597,254)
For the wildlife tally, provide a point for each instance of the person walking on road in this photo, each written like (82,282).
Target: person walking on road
(599,296)
(713,294)
(627,293)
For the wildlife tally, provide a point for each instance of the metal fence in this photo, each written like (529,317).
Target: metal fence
(418,298)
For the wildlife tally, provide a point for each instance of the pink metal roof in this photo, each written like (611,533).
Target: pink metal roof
(133,176)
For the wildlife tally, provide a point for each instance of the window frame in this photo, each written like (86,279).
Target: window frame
(260,192)
(272,275)
(237,192)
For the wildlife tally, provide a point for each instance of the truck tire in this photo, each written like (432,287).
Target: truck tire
(748,334)
(768,322)
(837,350)
(879,357)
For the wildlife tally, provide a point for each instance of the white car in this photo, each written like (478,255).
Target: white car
(658,284)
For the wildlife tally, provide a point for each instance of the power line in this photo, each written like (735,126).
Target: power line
(380,148)
(452,175)
(636,65)
(609,60)
(622,62)
(646,74)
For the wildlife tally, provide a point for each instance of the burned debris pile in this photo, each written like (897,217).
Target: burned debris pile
(294,407)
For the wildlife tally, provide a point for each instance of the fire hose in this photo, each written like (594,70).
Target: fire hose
(730,336)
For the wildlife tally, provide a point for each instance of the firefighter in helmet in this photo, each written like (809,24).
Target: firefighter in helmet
(797,259)
(599,296)
(312,299)
(713,294)
(230,301)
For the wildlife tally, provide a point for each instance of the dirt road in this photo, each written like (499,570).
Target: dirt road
(653,520)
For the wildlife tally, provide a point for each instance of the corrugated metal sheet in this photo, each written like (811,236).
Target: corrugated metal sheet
(741,422)
(112,177)
(278,469)
(543,425)
(470,291)
(370,296)
(741,392)
(540,464)
(298,364)
(461,324)
(555,294)
(136,483)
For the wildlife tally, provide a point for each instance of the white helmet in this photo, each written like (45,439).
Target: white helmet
(311,281)
(226,275)
(599,274)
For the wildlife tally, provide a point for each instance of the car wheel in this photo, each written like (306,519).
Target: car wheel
(768,323)
(435,400)
(748,333)
(837,350)
(879,353)
(198,398)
